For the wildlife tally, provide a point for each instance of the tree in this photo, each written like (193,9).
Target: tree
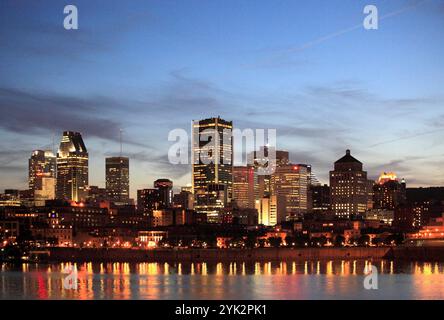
(339,240)
(364,240)
(290,241)
(261,243)
(377,241)
(322,241)
(275,242)
(251,241)
(394,239)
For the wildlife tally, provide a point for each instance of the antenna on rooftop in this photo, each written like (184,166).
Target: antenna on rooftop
(120,138)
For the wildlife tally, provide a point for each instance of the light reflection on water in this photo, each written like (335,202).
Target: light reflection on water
(337,279)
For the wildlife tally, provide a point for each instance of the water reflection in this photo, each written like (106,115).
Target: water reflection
(339,279)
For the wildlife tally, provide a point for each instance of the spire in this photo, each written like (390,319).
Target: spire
(120,138)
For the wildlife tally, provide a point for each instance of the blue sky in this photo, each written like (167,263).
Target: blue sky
(306,68)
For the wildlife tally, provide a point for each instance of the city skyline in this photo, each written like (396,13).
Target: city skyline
(320,87)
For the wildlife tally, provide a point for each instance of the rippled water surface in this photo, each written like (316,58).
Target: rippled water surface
(261,280)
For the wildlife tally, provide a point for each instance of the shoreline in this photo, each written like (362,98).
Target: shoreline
(423,254)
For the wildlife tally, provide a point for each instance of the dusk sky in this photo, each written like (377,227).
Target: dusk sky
(307,68)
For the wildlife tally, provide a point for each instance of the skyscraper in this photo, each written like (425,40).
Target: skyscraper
(320,198)
(72,168)
(184,199)
(267,211)
(117,179)
(212,166)
(42,176)
(290,185)
(165,188)
(388,192)
(349,187)
(244,183)
(259,158)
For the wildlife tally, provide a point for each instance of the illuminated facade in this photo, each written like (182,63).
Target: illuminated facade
(42,176)
(212,166)
(117,179)
(388,192)
(184,199)
(267,211)
(244,183)
(72,168)
(349,187)
(290,184)
(264,181)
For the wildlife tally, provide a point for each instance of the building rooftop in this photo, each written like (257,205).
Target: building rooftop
(348,158)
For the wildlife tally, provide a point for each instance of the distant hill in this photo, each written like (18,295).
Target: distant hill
(425,194)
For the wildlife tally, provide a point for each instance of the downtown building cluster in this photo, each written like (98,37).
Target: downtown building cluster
(226,205)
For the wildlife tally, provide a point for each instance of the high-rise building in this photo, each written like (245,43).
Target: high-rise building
(184,199)
(349,187)
(72,168)
(267,209)
(212,166)
(147,201)
(244,183)
(260,159)
(290,184)
(42,176)
(320,198)
(117,179)
(165,187)
(388,192)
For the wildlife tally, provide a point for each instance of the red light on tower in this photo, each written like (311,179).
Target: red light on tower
(296,168)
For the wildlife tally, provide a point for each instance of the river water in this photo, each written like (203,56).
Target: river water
(335,279)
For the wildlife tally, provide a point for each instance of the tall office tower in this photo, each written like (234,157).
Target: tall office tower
(212,166)
(42,176)
(184,199)
(147,201)
(165,187)
(320,198)
(349,187)
(268,212)
(289,183)
(117,179)
(72,168)
(259,159)
(244,183)
(388,192)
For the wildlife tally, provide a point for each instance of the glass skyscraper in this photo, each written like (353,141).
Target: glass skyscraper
(117,179)
(212,167)
(42,176)
(72,168)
